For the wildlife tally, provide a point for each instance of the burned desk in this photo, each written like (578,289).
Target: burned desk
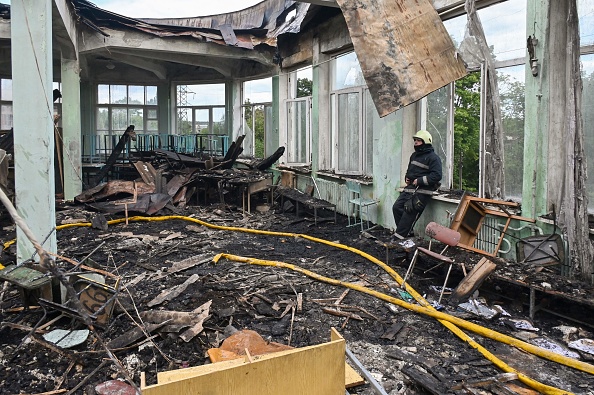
(308,201)
(248,182)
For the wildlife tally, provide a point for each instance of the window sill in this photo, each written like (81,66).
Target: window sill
(363,180)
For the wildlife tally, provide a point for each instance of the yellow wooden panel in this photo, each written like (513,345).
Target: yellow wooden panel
(294,372)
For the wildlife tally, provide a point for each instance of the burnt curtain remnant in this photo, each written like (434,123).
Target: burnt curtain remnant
(573,215)
(404,50)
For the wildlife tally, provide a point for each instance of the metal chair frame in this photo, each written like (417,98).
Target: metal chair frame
(358,204)
(445,235)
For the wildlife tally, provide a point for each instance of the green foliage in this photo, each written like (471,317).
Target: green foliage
(466,132)
(254,121)
(304,87)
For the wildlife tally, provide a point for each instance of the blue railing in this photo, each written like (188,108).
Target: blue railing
(96,149)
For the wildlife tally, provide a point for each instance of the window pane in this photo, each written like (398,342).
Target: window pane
(151,113)
(119,119)
(6,117)
(151,95)
(201,121)
(588,114)
(304,82)
(201,95)
(184,121)
(348,126)
(102,118)
(505,28)
(136,95)
(511,95)
(218,118)
(118,94)
(152,126)
(136,116)
(347,72)
(437,125)
(297,132)
(258,91)
(6,90)
(586,16)
(103,94)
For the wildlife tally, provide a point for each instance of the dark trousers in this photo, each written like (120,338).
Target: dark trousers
(405,220)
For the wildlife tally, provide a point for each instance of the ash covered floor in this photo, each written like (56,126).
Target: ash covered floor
(407,353)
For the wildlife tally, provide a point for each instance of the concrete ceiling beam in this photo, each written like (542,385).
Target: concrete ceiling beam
(64,29)
(224,66)
(142,63)
(132,40)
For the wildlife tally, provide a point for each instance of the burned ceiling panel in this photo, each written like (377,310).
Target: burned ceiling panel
(404,50)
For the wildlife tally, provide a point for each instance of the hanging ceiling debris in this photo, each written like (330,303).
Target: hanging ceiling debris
(404,50)
(260,24)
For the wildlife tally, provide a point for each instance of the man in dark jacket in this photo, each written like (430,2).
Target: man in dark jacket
(422,178)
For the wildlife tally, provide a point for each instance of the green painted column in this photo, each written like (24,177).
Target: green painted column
(31,46)
(71,129)
(536,139)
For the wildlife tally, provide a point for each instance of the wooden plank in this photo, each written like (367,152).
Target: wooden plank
(473,280)
(292,373)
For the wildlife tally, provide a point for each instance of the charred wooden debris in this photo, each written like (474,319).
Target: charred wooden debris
(153,180)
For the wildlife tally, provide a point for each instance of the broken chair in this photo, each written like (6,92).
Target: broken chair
(447,236)
(358,205)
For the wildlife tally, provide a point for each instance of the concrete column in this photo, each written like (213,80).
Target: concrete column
(321,141)
(234,116)
(283,94)
(31,35)
(71,129)
(544,130)
(272,137)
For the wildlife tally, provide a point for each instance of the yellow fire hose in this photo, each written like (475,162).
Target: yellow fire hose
(447,320)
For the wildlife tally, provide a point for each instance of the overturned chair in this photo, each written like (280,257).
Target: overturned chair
(447,236)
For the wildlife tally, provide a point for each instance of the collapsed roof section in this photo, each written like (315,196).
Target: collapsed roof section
(260,24)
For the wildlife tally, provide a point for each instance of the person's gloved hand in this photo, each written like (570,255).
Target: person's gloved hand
(409,206)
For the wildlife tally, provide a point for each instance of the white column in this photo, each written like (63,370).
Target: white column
(71,133)
(31,46)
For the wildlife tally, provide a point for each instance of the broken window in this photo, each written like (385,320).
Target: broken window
(351,135)
(511,94)
(119,106)
(504,26)
(436,118)
(5,104)
(299,117)
(257,118)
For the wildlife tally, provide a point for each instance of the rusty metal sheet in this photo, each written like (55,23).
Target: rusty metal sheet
(404,50)
(228,34)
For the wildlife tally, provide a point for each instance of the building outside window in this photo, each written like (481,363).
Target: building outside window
(257,117)
(352,140)
(299,117)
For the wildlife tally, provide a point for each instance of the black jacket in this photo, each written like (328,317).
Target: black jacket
(425,167)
